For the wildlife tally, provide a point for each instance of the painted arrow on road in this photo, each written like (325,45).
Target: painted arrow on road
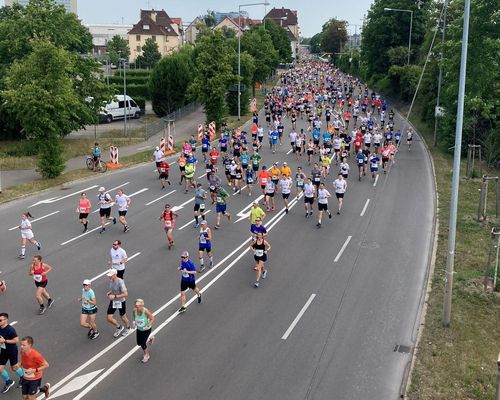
(176,208)
(54,199)
(244,213)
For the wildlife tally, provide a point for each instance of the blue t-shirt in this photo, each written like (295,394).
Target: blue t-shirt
(189,266)
(258,229)
(274,135)
(326,137)
(360,158)
(244,159)
(205,143)
(9,333)
(316,134)
(191,160)
(223,142)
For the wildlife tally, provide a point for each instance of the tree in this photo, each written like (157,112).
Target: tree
(257,42)
(281,41)
(315,43)
(247,71)
(170,80)
(42,81)
(209,19)
(118,48)
(150,54)
(213,74)
(334,36)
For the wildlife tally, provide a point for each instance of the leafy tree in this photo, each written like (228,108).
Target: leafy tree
(257,42)
(118,48)
(213,74)
(247,71)
(150,54)
(228,33)
(315,43)
(42,81)
(209,19)
(334,36)
(281,41)
(170,80)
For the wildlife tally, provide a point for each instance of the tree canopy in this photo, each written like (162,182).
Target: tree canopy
(281,41)
(118,48)
(150,54)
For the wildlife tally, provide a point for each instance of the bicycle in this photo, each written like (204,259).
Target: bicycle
(101,165)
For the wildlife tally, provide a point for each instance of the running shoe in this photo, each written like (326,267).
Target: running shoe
(102,230)
(42,310)
(38,246)
(318,224)
(45,389)
(330,216)
(90,332)
(114,220)
(199,298)
(118,331)
(196,225)
(264,274)
(50,302)
(8,385)
(256,284)
(145,359)
(182,310)
(95,335)
(21,256)
(202,268)
(126,331)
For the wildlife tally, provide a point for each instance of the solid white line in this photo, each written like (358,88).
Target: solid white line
(376,180)
(139,191)
(289,151)
(83,234)
(277,218)
(13,323)
(190,222)
(36,219)
(53,200)
(298,317)
(202,176)
(342,249)
(144,147)
(237,192)
(104,273)
(118,187)
(365,207)
(161,197)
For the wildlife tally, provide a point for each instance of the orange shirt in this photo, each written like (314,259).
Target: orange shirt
(84,206)
(32,360)
(264,177)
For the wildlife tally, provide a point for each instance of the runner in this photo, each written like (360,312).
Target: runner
(360,161)
(325,166)
(386,152)
(123,203)
(117,296)
(33,365)
(260,248)
(26,234)
(105,203)
(205,244)
(238,176)
(143,321)
(188,280)
(118,258)
(8,351)
(89,310)
(205,146)
(168,217)
(344,168)
(221,205)
(181,162)
(200,195)
(264,177)
(309,192)
(409,138)
(164,168)
(323,196)
(374,161)
(316,174)
(270,189)
(256,213)
(83,209)
(213,182)
(190,170)
(300,178)
(250,179)
(285,184)
(39,271)
(158,157)
(340,187)
(257,227)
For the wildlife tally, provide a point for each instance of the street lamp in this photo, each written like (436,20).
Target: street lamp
(122,62)
(239,50)
(411,26)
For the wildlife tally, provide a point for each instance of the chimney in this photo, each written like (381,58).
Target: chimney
(153,16)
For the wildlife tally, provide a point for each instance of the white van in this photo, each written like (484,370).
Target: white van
(116,109)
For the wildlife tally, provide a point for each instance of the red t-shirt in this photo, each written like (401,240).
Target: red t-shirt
(164,167)
(84,206)
(32,360)
(358,143)
(264,177)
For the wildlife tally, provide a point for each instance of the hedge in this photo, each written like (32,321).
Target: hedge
(133,90)
(141,102)
(135,72)
(138,80)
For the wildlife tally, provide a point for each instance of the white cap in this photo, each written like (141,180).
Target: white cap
(284,163)
(185,254)
(111,272)
(102,189)
(87,282)
(157,148)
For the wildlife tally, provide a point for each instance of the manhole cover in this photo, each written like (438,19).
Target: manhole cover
(367,244)
(402,349)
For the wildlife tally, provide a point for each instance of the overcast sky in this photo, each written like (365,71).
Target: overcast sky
(312,13)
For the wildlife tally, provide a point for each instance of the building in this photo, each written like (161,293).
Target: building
(155,24)
(70,5)
(102,34)
(192,30)
(219,16)
(354,41)
(288,20)
(238,24)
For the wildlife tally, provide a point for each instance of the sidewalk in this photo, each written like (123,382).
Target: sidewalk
(184,128)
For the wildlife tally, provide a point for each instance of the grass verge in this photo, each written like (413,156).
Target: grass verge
(459,362)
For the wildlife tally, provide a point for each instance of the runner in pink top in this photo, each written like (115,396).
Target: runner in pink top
(83,209)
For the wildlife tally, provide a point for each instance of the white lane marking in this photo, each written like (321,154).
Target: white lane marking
(167,304)
(237,192)
(177,208)
(289,151)
(13,323)
(144,147)
(83,234)
(190,222)
(376,180)
(298,317)
(36,219)
(104,273)
(77,383)
(139,191)
(173,162)
(343,248)
(54,199)
(244,213)
(108,372)
(161,197)
(202,176)
(365,207)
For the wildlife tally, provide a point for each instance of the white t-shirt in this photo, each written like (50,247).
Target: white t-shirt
(340,185)
(25,225)
(103,200)
(368,137)
(309,190)
(121,201)
(117,256)
(286,185)
(344,168)
(377,137)
(336,143)
(323,195)
(158,155)
(293,136)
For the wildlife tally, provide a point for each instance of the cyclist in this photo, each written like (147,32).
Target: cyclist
(96,155)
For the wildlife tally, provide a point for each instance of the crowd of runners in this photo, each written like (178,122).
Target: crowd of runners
(343,123)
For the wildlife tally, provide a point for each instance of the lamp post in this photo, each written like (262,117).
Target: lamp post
(239,50)
(411,26)
(440,76)
(122,62)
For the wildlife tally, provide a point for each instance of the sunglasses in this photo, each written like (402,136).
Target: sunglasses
(183,257)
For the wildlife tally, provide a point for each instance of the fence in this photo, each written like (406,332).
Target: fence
(162,124)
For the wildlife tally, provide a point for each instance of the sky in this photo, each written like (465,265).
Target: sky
(312,13)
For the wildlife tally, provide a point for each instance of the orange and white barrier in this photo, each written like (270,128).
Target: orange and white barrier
(170,144)
(113,155)
(211,130)
(162,144)
(200,132)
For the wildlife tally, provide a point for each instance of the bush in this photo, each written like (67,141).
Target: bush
(404,80)
(138,80)
(23,148)
(135,72)
(141,102)
(383,85)
(134,90)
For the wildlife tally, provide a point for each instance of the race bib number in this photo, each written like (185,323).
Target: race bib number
(140,323)
(168,224)
(203,240)
(185,274)
(250,180)
(83,210)
(117,304)
(212,187)
(37,277)
(202,206)
(264,180)
(219,199)
(317,179)
(27,375)
(259,252)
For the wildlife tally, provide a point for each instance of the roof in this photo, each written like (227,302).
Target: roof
(177,20)
(232,21)
(291,36)
(159,24)
(195,22)
(281,13)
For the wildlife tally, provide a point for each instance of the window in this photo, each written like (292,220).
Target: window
(132,103)
(121,104)
(145,27)
(138,49)
(138,38)
(154,38)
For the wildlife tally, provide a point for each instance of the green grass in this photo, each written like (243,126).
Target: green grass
(459,362)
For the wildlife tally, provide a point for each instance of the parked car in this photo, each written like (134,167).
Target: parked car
(116,109)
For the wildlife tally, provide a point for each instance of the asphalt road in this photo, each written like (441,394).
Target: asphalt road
(362,276)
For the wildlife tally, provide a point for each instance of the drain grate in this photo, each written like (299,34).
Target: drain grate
(402,349)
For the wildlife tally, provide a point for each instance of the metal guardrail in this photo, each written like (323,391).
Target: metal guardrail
(160,125)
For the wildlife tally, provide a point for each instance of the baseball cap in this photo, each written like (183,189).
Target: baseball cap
(284,163)
(203,222)
(157,148)
(102,189)
(185,254)
(87,282)
(111,272)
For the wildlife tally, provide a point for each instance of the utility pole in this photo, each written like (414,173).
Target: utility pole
(452,224)
(440,76)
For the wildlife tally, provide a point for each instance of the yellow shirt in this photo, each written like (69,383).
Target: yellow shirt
(275,172)
(285,170)
(256,212)
(325,161)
